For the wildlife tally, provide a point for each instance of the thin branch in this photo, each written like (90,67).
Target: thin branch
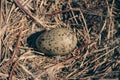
(14,53)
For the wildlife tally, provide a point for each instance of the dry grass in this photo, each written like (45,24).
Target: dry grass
(96,23)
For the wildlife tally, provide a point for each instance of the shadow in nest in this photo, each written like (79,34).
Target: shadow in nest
(31,41)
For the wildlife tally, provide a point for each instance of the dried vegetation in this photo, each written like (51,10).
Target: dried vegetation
(96,23)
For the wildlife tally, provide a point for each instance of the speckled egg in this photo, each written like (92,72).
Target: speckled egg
(59,41)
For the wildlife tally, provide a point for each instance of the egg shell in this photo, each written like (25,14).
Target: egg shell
(58,41)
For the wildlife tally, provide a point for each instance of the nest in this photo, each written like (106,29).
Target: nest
(96,23)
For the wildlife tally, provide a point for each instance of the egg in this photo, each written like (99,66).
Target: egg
(58,41)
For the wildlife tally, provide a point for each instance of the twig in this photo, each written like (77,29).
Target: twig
(69,59)
(14,53)
(86,27)
(28,13)
(0,22)
(13,68)
(104,54)
(57,12)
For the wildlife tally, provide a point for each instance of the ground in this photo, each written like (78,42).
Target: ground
(97,27)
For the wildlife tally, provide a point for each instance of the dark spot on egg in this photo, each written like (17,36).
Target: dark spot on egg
(49,44)
(42,40)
